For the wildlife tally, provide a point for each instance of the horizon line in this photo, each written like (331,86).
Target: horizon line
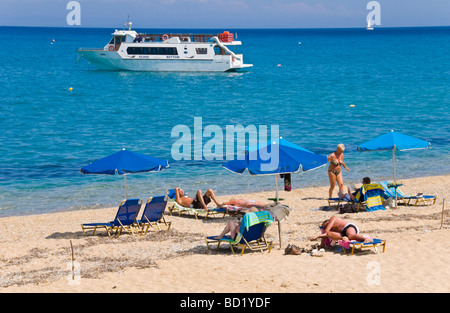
(238,28)
(249,28)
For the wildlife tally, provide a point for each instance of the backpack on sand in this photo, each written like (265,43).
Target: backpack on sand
(350,207)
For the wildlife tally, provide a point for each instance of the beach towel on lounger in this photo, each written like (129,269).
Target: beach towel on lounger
(407,199)
(373,195)
(253,218)
(250,235)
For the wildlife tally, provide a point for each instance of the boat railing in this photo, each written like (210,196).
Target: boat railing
(182,37)
(90,49)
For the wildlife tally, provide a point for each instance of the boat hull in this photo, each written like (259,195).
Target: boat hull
(113,61)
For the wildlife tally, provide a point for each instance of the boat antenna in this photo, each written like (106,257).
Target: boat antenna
(128,23)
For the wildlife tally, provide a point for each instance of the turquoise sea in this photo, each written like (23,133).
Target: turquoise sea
(303,80)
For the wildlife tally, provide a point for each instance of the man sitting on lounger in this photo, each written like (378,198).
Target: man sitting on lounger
(233,227)
(340,230)
(351,196)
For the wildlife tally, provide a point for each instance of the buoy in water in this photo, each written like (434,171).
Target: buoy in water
(70,89)
(352,105)
(278,64)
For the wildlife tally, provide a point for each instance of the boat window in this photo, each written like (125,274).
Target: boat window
(201,50)
(119,40)
(152,50)
(234,49)
(112,41)
(219,50)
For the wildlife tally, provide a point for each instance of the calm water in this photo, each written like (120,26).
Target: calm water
(396,78)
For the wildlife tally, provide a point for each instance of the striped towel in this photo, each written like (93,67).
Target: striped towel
(373,195)
(390,191)
(249,219)
(252,218)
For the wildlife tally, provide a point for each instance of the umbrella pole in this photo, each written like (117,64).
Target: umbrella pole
(126,191)
(276,201)
(395,179)
(279,232)
(276,193)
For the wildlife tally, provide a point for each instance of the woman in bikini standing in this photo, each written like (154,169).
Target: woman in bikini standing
(336,159)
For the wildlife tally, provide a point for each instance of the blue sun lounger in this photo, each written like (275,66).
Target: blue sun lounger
(407,199)
(125,219)
(372,195)
(250,235)
(153,214)
(363,245)
(337,201)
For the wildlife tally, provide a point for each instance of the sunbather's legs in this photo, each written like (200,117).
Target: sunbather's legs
(254,203)
(340,181)
(332,178)
(235,202)
(352,235)
(201,200)
(334,235)
(232,227)
(210,193)
(242,203)
(352,197)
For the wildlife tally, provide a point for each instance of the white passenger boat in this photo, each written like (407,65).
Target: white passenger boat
(130,51)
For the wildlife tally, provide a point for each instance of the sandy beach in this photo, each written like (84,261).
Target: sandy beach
(35,254)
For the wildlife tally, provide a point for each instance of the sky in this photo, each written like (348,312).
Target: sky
(225,13)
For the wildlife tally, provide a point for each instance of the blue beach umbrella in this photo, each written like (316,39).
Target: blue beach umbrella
(394,141)
(289,158)
(125,162)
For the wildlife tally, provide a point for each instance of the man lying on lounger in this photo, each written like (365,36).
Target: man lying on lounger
(245,204)
(340,230)
(201,200)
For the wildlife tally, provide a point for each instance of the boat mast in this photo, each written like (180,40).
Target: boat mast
(128,23)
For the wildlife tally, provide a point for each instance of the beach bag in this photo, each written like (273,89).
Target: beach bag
(389,203)
(287,181)
(350,207)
